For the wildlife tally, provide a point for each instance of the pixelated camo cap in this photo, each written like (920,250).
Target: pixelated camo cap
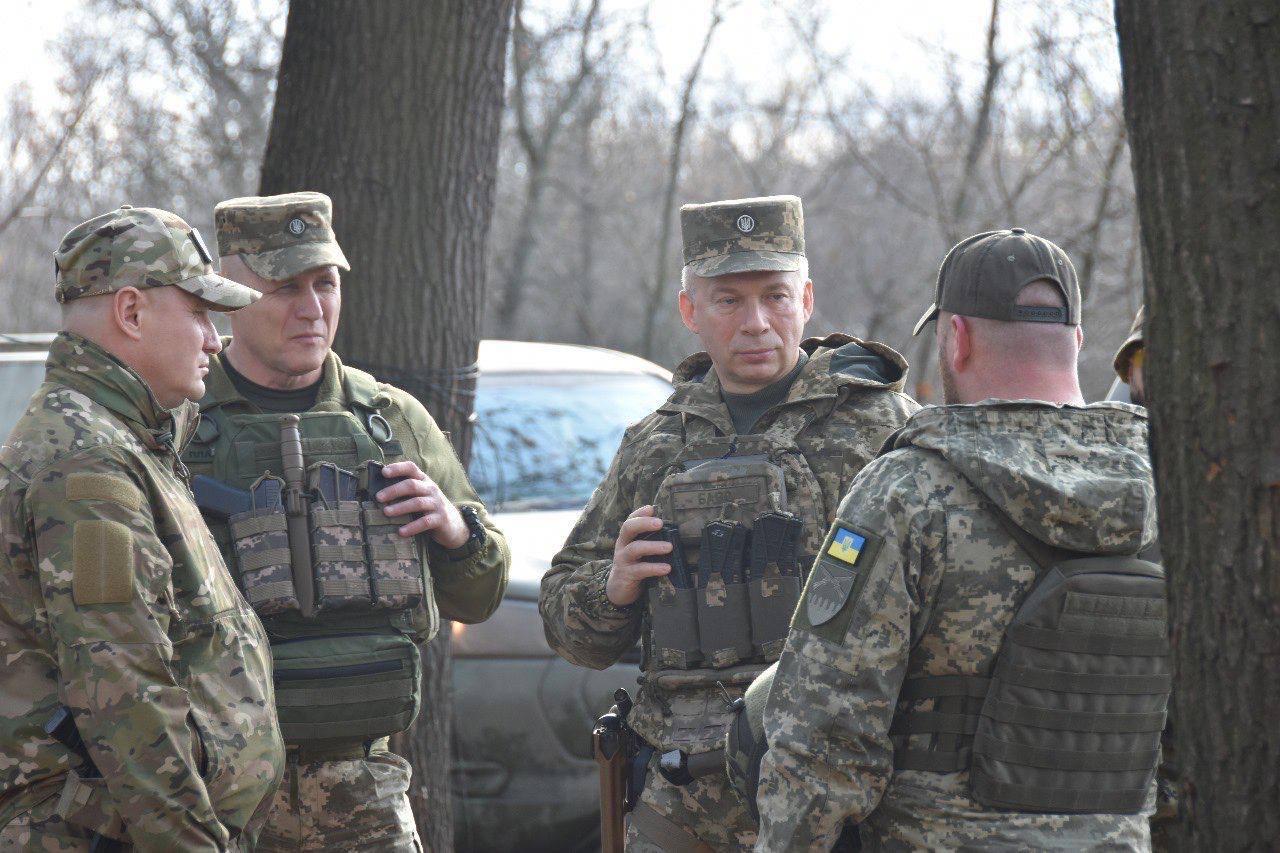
(982,276)
(141,247)
(743,235)
(279,236)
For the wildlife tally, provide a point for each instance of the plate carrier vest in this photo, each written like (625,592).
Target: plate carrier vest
(351,671)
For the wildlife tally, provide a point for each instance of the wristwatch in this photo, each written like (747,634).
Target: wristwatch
(472,519)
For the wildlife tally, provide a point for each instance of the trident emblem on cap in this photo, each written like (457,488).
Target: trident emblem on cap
(297,226)
(746,224)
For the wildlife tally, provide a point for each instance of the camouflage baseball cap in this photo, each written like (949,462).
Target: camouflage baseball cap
(141,247)
(279,236)
(1133,343)
(743,235)
(982,276)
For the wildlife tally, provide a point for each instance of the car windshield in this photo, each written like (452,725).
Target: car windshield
(544,440)
(19,382)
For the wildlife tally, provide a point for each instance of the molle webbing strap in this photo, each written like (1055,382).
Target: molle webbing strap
(267,591)
(344,588)
(258,524)
(254,560)
(1076,682)
(335,517)
(372,726)
(1091,644)
(1065,759)
(338,553)
(1081,721)
(1076,800)
(309,697)
(398,550)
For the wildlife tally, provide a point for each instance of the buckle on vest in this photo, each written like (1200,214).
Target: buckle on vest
(379,429)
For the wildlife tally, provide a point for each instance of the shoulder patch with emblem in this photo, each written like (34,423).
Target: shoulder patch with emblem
(837,580)
(102,562)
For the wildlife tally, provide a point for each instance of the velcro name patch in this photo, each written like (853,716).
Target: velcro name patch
(103,487)
(102,562)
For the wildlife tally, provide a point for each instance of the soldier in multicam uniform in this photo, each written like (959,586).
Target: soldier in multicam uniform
(763,431)
(879,711)
(388,561)
(114,601)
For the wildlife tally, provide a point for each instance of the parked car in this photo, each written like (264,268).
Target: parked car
(549,418)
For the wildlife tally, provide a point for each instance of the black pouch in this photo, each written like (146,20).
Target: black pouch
(774,579)
(773,602)
(337,541)
(724,618)
(673,613)
(724,622)
(260,538)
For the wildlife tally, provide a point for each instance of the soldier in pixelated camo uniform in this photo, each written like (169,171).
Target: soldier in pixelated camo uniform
(815,410)
(921,575)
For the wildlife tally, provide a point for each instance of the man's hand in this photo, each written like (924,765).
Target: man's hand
(418,494)
(629,572)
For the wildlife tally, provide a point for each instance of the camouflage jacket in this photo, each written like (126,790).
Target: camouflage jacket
(467,584)
(846,413)
(935,581)
(115,602)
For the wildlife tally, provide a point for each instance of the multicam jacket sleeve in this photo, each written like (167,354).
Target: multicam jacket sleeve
(469,581)
(827,717)
(116,659)
(579,621)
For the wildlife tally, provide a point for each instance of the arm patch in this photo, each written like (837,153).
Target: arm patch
(102,562)
(837,580)
(103,487)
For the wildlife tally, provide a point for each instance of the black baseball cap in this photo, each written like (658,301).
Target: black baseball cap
(982,276)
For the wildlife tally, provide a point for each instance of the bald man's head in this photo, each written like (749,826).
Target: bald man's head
(981,358)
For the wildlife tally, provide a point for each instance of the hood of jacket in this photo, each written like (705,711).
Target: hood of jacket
(85,366)
(1075,477)
(835,362)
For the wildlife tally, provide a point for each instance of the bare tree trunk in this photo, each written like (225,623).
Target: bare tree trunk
(1202,99)
(662,259)
(392,108)
(981,123)
(538,144)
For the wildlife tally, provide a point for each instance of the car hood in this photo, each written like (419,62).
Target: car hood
(534,537)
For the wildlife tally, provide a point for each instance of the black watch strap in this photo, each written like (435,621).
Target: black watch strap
(472,519)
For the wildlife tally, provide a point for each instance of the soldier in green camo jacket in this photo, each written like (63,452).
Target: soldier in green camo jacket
(763,430)
(114,601)
(386,562)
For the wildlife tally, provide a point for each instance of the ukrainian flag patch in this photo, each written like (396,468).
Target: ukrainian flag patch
(846,546)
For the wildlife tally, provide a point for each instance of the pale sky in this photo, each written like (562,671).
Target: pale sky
(885,40)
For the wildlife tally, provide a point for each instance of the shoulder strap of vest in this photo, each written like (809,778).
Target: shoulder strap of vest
(361,389)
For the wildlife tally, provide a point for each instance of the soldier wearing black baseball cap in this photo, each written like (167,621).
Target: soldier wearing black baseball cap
(982,276)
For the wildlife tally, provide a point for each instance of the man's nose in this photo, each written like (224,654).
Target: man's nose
(755,320)
(308,307)
(212,343)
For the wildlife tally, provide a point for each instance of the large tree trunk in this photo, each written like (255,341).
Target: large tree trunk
(392,108)
(1202,100)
